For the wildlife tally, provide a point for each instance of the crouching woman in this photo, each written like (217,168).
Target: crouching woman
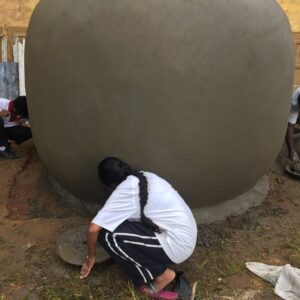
(144,225)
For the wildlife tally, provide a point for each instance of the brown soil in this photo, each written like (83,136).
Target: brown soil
(32,216)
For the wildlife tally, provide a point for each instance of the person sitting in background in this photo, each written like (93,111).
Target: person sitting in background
(13,114)
(289,137)
(145,226)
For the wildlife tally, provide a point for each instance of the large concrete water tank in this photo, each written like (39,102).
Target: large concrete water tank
(197,91)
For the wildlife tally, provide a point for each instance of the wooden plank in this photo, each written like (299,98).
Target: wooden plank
(4,49)
(1,37)
(21,52)
(297,51)
(13,33)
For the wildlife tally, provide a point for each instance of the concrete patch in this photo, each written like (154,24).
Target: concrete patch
(204,215)
(235,206)
(71,247)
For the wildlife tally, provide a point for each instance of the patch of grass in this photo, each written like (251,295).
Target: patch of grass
(132,291)
(233,268)
(84,292)
(203,294)
(201,267)
(108,288)
(2,242)
(54,292)
(269,252)
(262,228)
(293,243)
(2,297)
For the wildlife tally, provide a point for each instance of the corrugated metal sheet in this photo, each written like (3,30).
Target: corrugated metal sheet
(9,80)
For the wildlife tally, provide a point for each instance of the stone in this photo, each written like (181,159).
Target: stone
(38,274)
(197,92)
(71,247)
(59,272)
(21,293)
(94,281)
(33,296)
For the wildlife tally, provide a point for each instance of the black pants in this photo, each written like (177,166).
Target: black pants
(17,133)
(137,250)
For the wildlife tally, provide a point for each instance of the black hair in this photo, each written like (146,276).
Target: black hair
(20,105)
(112,171)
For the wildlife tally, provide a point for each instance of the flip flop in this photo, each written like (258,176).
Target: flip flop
(163,295)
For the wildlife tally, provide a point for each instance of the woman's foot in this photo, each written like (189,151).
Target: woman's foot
(7,153)
(155,290)
(164,279)
(162,295)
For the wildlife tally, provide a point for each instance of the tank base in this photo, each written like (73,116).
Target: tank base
(204,215)
(233,207)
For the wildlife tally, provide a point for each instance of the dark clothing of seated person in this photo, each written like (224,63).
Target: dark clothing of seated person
(144,225)
(289,137)
(13,114)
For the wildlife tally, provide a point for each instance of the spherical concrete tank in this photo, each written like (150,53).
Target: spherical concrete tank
(197,91)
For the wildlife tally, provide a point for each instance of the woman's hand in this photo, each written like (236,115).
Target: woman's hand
(4,113)
(87,266)
(92,235)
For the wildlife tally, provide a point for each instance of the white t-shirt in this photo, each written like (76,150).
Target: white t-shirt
(165,208)
(294,107)
(4,105)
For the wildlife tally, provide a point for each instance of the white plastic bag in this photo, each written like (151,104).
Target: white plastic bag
(286,278)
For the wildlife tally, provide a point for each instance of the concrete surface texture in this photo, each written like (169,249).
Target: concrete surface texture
(195,91)
(71,247)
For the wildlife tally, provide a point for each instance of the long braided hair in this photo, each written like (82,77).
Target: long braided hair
(112,171)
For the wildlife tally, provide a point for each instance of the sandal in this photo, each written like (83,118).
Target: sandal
(151,292)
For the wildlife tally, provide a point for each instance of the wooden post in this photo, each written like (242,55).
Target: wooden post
(297,67)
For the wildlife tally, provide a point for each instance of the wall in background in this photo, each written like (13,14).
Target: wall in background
(292,9)
(14,19)
(16,13)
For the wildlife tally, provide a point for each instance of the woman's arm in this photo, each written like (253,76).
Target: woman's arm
(4,113)
(92,236)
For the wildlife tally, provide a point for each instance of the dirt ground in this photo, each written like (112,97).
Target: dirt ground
(32,216)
